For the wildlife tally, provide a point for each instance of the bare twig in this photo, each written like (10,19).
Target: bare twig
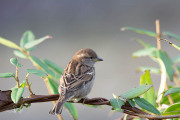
(28,86)
(158,34)
(158,37)
(17,78)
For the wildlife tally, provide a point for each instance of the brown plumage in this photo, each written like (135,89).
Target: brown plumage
(77,79)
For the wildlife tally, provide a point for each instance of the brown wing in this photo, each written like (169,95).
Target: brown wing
(74,76)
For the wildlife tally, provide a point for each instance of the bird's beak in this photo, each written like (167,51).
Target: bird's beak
(98,59)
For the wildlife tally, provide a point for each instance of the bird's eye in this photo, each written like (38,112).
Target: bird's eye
(91,57)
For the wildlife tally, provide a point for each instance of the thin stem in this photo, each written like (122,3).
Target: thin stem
(28,86)
(176,80)
(169,96)
(17,79)
(158,37)
(158,34)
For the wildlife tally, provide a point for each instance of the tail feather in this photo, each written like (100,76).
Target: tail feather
(57,109)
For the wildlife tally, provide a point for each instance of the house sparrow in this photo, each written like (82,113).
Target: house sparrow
(77,79)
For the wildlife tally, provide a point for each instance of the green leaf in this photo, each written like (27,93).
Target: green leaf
(146,45)
(174,96)
(72,110)
(14,61)
(172,90)
(116,103)
(173,109)
(131,102)
(167,62)
(172,35)
(27,37)
(43,66)
(20,108)
(176,59)
(172,113)
(53,86)
(135,92)
(9,43)
(94,106)
(151,69)
(70,106)
(53,66)
(16,94)
(151,52)
(150,94)
(6,75)
(39,73)
(141,31)
(36,42)
(141,102)
(20,54)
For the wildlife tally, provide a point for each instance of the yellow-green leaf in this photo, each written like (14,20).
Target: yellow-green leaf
(153,70)
(174,96)
(9,43)
(150,94)
(173,109)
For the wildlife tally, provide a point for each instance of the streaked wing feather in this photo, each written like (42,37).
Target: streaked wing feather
(74,80)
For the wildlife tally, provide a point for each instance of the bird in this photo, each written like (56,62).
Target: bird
(77,79)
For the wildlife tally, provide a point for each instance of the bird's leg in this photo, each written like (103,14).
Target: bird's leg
(84,99)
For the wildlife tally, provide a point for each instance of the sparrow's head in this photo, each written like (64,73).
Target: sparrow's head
(87,56)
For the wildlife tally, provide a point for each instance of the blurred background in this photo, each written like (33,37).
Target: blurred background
(76,24)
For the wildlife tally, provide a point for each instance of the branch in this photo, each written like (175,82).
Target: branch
(151,116)
(7,104)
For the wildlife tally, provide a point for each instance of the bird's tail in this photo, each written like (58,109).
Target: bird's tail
(57,109)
